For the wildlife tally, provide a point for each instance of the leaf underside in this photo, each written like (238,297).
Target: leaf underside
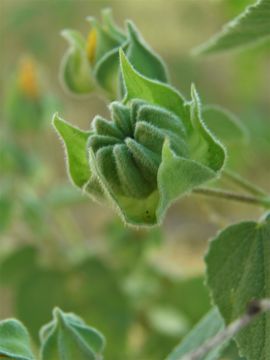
(208,327)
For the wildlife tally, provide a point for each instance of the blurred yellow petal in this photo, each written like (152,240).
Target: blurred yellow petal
(28,78)
(91,45)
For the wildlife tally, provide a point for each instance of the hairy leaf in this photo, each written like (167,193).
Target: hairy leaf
(177,176)
(140,87)
(106,72)
(249,28)
(143,58)
(14,341)
(68,337)
(238,272)
(75,141)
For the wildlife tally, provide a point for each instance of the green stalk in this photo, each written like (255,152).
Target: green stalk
(244,184)
(228,195)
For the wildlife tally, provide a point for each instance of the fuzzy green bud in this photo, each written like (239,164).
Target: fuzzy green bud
(128,153)
(154,149)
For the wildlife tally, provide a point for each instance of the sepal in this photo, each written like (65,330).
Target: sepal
(143,58)
(75,69)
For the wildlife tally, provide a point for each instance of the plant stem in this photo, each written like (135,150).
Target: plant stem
(244,184)
(254,309)
(228,195)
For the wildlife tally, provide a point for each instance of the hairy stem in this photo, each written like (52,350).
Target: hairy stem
(243,183)
(228,195)
(254,309)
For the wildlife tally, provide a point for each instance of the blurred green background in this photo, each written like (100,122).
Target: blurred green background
(142,288)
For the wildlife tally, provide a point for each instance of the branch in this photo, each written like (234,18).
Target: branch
(228,195)
(245,184)
(255,308)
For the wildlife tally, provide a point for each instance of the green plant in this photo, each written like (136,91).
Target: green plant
(158,147)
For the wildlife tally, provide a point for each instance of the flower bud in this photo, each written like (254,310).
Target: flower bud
(154,149)
(75,68)
(67,337)
(128,153)
(25,99)
(94,62)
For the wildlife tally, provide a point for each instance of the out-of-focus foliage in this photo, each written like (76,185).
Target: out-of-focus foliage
(26,104)
(210,325)
(37,289)
(225,125)
(140,296)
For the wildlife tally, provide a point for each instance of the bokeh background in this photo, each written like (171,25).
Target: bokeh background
(143,289)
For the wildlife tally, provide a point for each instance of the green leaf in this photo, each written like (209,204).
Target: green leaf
(238,272)
(110,26)
(75,143)
(143,58)
(208,327)
(231,352)
(224,125)
(140,87)
(177,176)
(204,147)
(249,28)
(107,72)
(14,341)
(68,337)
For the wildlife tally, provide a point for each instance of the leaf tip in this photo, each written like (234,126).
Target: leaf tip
(122,57)
(67,35)
(132,30)
(91,20)
(56,120)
